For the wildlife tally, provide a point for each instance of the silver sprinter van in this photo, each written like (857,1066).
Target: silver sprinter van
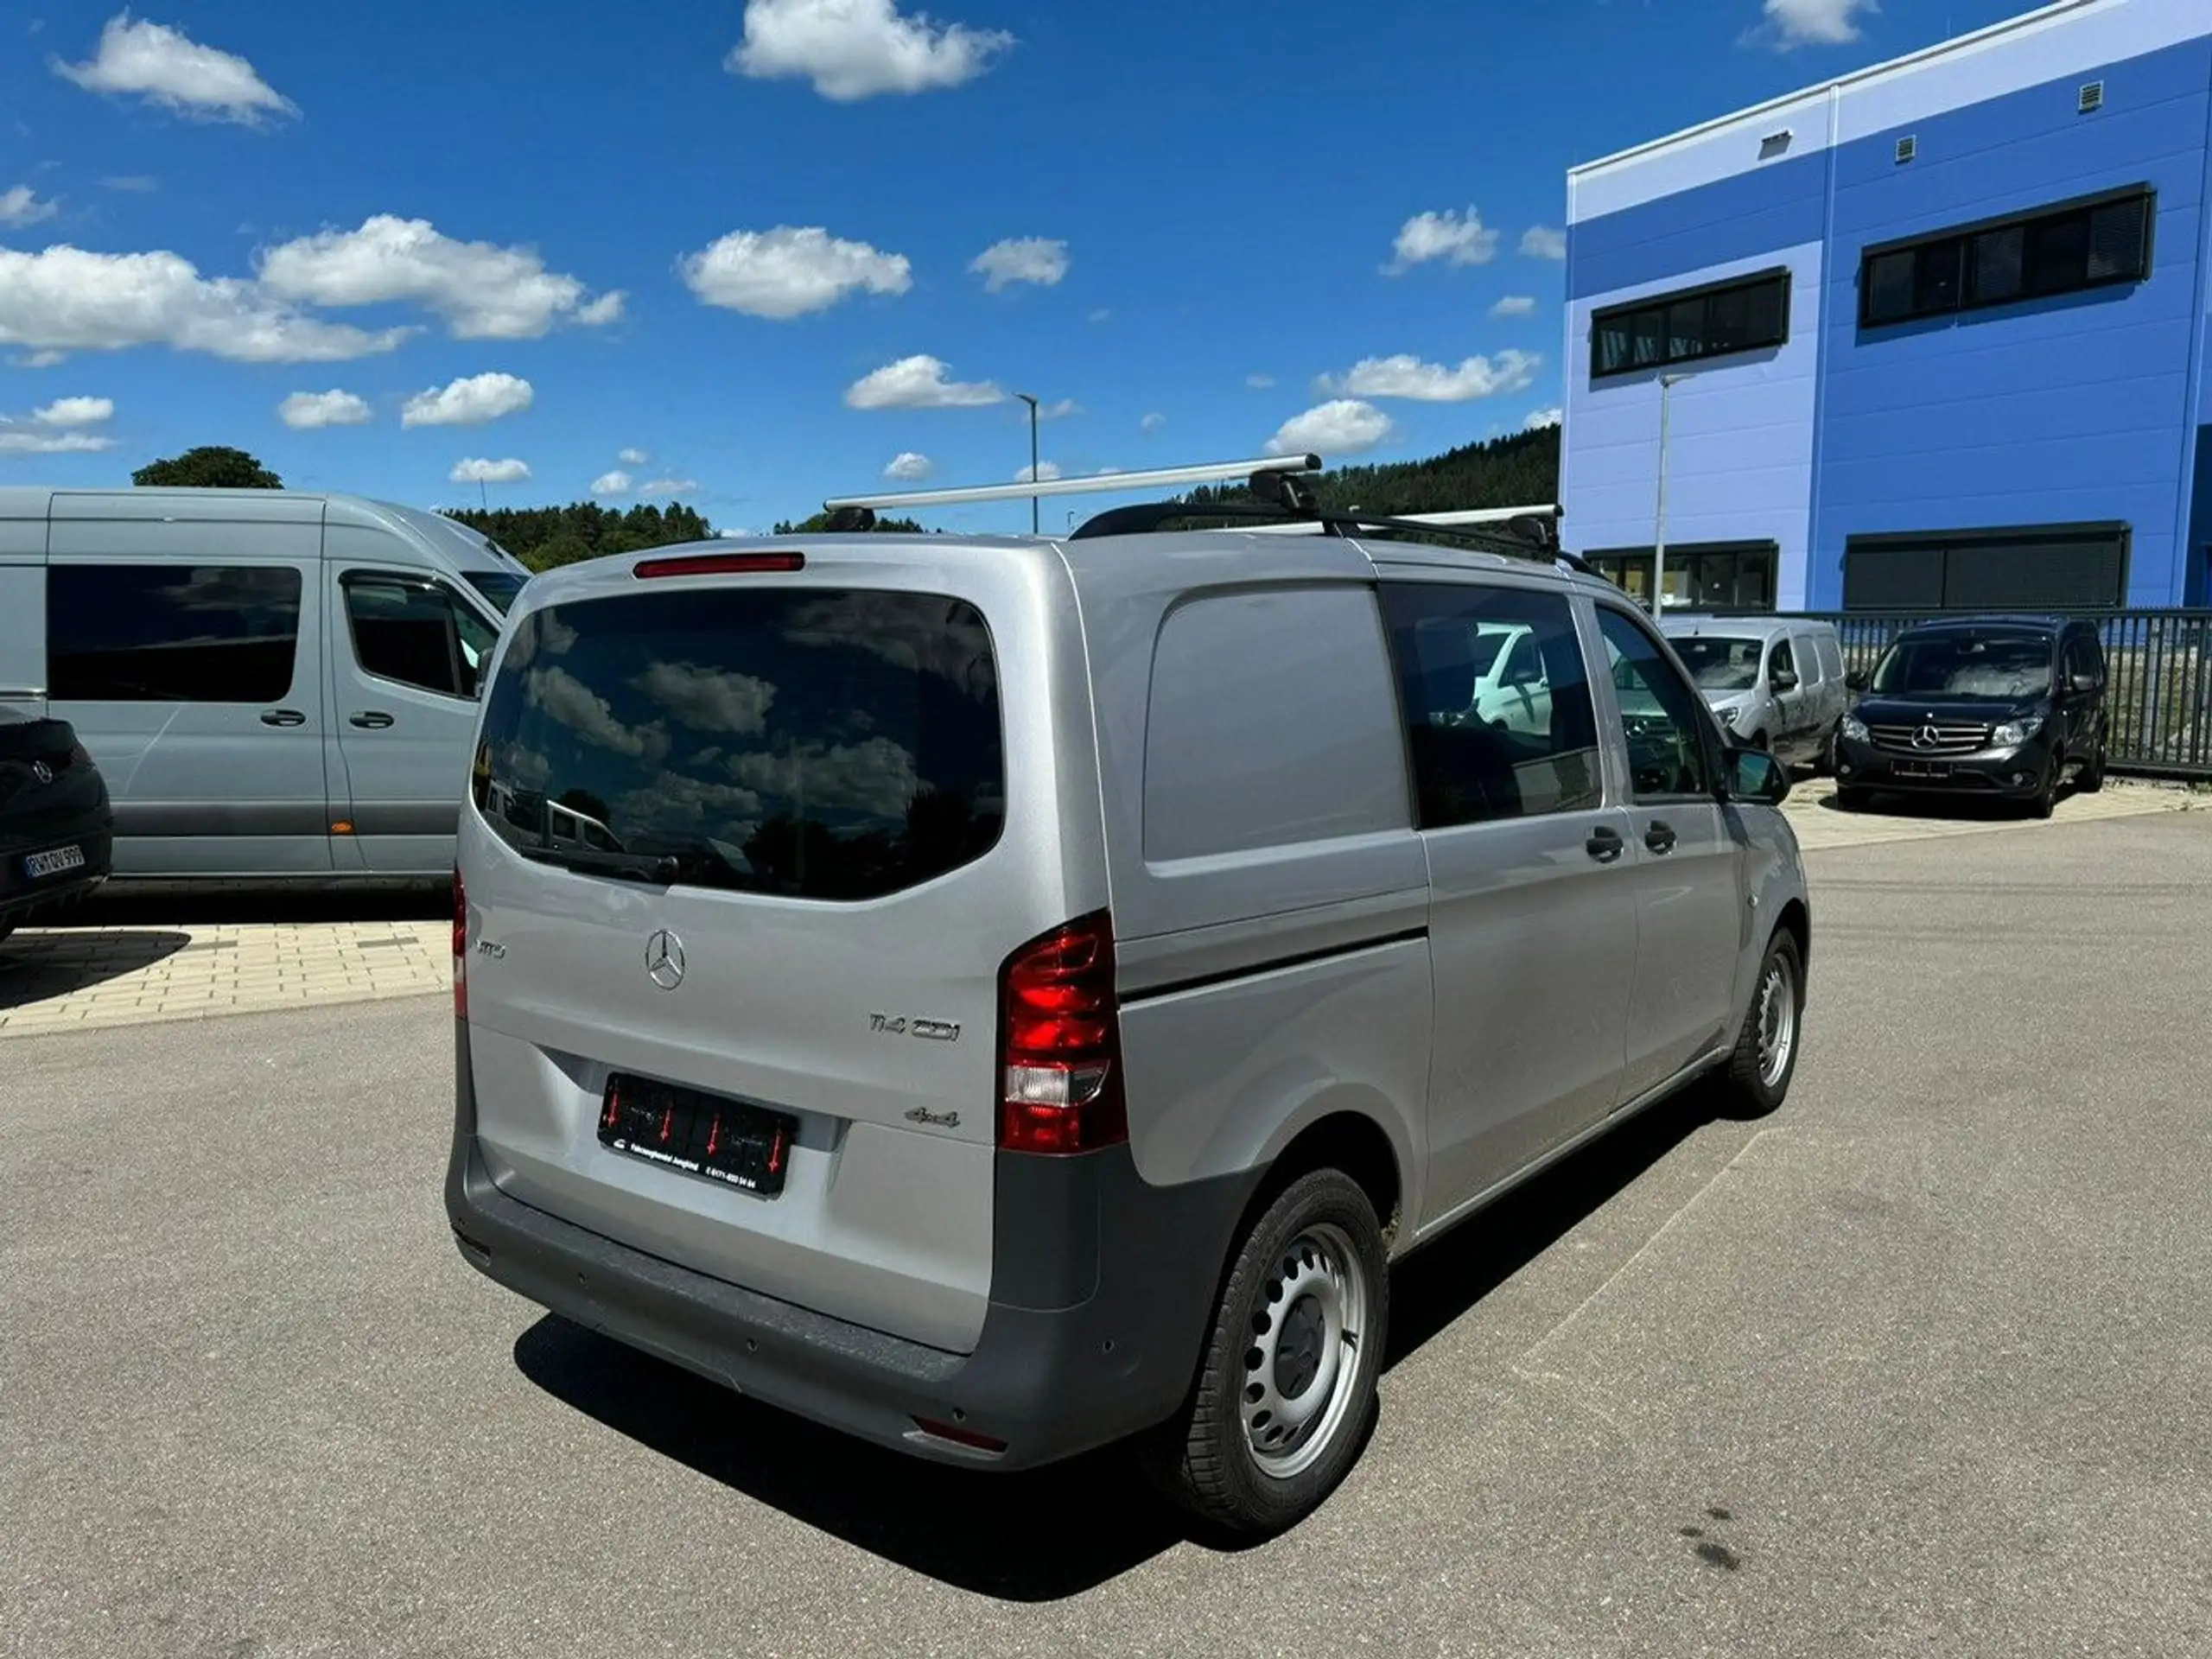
(277,685)
(999,997)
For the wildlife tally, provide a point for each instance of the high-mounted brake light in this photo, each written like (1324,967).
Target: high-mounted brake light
(719,564)
(460,947)
(1060,1043)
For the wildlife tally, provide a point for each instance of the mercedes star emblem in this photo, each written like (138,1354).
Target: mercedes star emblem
(1927,737)
(41,772)
(665,960)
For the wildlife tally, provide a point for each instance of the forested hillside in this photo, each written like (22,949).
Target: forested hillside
(1520,471)
(543,537)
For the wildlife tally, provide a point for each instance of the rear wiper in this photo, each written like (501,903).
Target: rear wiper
(656,867)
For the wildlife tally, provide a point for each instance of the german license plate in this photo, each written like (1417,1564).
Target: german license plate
(725,1140)
(1927,769)
(38,866)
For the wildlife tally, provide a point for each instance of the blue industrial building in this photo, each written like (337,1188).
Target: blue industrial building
(1932,336)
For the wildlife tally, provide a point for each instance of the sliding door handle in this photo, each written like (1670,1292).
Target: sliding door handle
(284,717)
(370,720)
(1605,844)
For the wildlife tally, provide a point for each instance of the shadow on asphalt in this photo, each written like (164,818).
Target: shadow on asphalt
(1050,1533)
(36,966)
(128,905)
(1962,808)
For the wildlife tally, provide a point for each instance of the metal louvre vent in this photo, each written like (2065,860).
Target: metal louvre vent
(2092,98)
(1907,149)
(1933,738)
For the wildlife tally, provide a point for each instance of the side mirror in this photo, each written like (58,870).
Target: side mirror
(2087,682)
(1755,775)
(1785,679)
(1856,680)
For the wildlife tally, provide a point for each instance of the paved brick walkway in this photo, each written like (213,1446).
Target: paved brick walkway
(81,978)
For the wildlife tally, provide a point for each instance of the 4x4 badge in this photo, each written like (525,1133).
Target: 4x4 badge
(665,960)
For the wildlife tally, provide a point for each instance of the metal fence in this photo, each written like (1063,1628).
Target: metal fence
(2157,682)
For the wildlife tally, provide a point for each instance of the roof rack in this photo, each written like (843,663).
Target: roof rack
(1212,472)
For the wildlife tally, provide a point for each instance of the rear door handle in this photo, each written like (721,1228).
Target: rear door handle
(1605,845)
(1660,838)
(284,717)
(370,720)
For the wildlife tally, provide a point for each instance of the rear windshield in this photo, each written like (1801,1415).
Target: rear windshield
(819,744)
(2006,666)
(1720,661)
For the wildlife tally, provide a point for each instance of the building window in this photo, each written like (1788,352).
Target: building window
(1742,315)
(2082,245)
(2040,567)
(1700,577)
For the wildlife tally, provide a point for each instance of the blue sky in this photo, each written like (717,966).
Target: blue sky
(742,241)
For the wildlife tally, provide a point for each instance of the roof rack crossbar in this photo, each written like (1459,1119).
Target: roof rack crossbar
(1215,472)
(1530,536)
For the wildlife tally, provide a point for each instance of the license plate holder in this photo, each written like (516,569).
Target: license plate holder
(55,860)
(730,1143)
(1927,771)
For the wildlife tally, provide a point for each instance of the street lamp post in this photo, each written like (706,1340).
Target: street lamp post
(1031,402)
(1667,384)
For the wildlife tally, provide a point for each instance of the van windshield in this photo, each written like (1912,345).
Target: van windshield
(821,744)
(1720,661)
(500,587)
(2005,666)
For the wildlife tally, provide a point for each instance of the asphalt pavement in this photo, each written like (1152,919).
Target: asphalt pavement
(1921,1364)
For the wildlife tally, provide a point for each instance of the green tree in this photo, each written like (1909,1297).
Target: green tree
(543,537)
(211,466)
(819,525)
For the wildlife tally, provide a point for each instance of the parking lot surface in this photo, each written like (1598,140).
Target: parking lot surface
(1918,1365)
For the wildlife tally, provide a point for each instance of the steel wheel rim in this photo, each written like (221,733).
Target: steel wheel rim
(1307,1331)
(1777,1022)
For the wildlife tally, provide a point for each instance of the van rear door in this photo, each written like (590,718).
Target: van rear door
(768,841)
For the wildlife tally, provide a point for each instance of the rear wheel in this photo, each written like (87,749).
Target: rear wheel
(1287,1387)
(2092,777)
(1766,1049)
(2045,800)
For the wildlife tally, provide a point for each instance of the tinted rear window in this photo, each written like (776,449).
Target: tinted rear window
(171,632)
(835,744)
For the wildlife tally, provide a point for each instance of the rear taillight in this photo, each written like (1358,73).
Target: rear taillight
(460,947)
(1060,1043)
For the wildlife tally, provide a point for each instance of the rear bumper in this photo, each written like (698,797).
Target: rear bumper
(22,899)
(1103,1287)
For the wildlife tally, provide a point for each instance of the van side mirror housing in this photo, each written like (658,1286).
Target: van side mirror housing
(1856,680)
(1755,775)
(2087,682)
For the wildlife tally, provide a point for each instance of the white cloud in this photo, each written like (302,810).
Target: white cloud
(607,307)
(21,205)
(668,486)
(135,183)
(853,49)
(67,299)
(788,271)
(633,457)
(1541,418)
(1791,24)
(475,471)
(1046,471)
(76,411)
(483,291)
(1101,315)
(919,382)
(470,401)
(709,699)
(1259,382)
(1021,259)
(1341,427)
(1542,242)
(1406,376)
(1058,411)
(307,411)
(162,65)
(1455,237)
(15,442)
(909,466)
(38,359)
(1514,305)
(614,483)
(1152,422)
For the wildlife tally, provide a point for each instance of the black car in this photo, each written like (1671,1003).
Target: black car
(2005,706)
(56,831)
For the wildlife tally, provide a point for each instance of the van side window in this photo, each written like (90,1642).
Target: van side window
(1665,722)
(1496,701)
(1831,654)
(171,632)
(1272,724)
(415,633)
(1781,661)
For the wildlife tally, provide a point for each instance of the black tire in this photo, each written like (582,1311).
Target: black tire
(2091,777)
(1756,1084)
(2045,800)
(1204,1461)
(1851,799)
(6,928)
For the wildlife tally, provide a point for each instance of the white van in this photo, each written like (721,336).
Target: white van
(277,686)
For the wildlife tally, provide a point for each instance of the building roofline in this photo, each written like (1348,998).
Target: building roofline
(1926,54)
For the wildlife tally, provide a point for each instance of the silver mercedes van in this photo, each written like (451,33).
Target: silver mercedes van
(277,685)
(999,997)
